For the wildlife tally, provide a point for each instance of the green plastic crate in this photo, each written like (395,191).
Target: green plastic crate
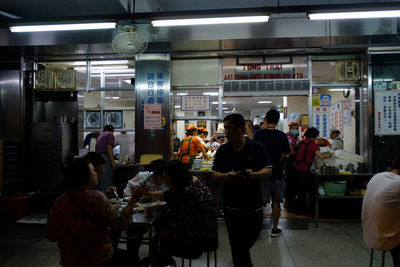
(337,188)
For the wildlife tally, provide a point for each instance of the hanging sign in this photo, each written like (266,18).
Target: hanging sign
(152,116)
(387,112)
(195,102)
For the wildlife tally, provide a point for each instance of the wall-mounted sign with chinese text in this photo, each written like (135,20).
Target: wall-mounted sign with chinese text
(152,116)
(337,116)
(195,102)
(387,112)
(321,120)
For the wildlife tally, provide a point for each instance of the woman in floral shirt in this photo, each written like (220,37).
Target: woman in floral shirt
(80,220)
(193,214)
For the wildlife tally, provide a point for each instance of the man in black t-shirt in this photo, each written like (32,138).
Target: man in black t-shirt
(241,165)
(277,147)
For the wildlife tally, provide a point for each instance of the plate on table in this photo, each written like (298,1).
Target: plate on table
(155,204)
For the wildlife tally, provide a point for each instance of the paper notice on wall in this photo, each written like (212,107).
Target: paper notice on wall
(152,116)
(337,116)
(347,113)
(321,120)
(195,102)
(387,112)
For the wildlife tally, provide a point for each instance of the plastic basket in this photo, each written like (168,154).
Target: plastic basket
(337,188)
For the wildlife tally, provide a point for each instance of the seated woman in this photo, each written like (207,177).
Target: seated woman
(193,214)
(80,220)
(155,186)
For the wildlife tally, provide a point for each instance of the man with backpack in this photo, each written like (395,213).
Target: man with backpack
(306,152)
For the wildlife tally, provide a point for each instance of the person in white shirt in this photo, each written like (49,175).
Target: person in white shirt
(126,142)
(337,142)
(380,215)
(155,186)
(203,133)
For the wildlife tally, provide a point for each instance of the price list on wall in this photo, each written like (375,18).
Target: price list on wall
(195,102)
(387,112)
(337,116)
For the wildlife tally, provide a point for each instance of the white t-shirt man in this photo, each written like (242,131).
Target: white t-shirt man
(126,142)
(381,211)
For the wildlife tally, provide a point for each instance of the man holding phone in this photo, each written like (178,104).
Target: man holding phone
(241,164)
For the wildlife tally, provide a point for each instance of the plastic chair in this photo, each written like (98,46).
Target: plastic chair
(371,258)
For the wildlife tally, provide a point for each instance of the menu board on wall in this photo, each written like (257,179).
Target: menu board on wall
(195,102)
(321,120)
(387,112)
(337,116)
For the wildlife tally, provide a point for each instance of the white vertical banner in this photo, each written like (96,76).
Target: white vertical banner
(337,116)
(347,113)
(387,112)
(321,119)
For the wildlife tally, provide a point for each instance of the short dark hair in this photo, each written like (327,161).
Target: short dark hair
(108,127)
(179,174)
(157,166)
(191,132)
(272,116)
(95,159)
(396,162)
(311,133)
(77,173)
(335,132)
(236,119)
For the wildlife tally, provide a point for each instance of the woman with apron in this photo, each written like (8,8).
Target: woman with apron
(190,146)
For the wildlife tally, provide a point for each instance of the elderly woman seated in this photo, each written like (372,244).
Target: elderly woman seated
(80,220)
(193,215)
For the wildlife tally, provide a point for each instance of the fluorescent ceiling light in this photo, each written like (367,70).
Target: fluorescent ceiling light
(338,89)
(355,15)
(104,68)
(115,97)
(182,94)
(265,102)
(104,62)
(108,97)
(223,108)
(177,106)
(63,27)
(211,93)
(208,21)
(216,103)
(114,75)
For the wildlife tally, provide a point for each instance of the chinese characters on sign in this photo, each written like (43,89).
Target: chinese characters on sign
(387,112)
(151,105)
(321,120)
(347,113)
(152,116)
(195,102)
(325,100)
(337,116)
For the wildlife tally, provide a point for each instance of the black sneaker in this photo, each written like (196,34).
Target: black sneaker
(276,232)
